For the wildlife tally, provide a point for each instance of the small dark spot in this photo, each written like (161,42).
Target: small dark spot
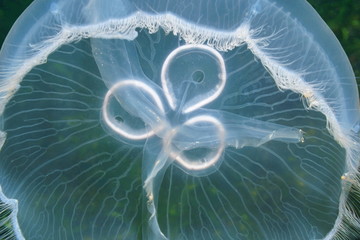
(198,76)
(119,119)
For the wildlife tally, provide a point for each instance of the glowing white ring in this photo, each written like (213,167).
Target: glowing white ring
(222,76)
(191,165)
(116,128)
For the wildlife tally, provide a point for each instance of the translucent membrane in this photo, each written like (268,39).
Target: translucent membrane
(177,120)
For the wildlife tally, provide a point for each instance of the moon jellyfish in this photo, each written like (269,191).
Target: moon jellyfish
(177,119)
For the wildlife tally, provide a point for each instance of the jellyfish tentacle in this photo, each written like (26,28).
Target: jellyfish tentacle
(156,161)
(242,131)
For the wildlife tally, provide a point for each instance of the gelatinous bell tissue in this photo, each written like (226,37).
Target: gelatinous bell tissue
(176,119)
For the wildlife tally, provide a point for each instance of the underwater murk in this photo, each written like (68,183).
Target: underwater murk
(177,119)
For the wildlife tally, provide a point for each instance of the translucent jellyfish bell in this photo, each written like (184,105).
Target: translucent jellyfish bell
(177,120)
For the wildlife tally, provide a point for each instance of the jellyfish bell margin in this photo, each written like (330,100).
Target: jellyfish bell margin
(150,120)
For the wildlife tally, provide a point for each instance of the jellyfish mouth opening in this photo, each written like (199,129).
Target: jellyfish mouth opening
(198,76)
